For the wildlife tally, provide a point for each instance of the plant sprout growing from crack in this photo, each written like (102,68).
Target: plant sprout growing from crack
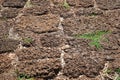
(24,77)
(95,37)
(66,5)
(27,40)
(28,4)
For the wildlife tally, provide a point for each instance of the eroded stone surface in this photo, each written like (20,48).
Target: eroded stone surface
(81,3)
(61,10)
(39,24)
(4,29)
(77,46)
(113,18)
(44,3)
(46,69)
(77,65)
(52,40)
(9,13)
(7,77)
(111,44)
(35,10)
(39,20)
(84,24)
(88,12)
(108,4)
(82,55)
(37,53)
(8,45)
(14,3)
(5,63)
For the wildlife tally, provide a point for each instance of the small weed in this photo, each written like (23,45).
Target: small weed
(108,71)
(117,70)
(3,18)
(27,40)
(66,5)
(28,4)
(5,36)
(24,77)
(93,14)
(118,78)
(95,37)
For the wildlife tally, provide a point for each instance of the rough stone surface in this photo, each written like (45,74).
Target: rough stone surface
(4,29)
(108,4)
(60,10)
(88,12)
(46,69)
(10,13)
(81,3)
(39,24)
(14,3)
(7,77)
(77,46)
(44,3)
(84,24)
(52,40)
(37,39)
(111,44)
(36,10)
(8,45)
(77,65)
(37,53)
(5,63)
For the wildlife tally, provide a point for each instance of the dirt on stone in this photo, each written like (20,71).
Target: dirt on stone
(41,40)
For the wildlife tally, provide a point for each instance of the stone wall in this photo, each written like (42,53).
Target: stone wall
(37,39)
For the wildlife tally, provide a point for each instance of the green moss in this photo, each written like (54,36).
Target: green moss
(118,78)
(27,40)
(66,5)
(28,4)
(108,71)
(95,37)
(117,70)
(5,36)
(3,18)
(24,77)
(93,14)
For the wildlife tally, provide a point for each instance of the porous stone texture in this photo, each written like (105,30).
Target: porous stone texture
(88,12)
(52,40)
(46,68)
(84,24)
(8,45)
(79,59)
(44,3)
(9,13)
(39,24)
(5,63)
(14,3)
(81,3)
(39,62)
(60,10)
(37,53)
(35,10)
(108,4)
(38,39)
(4,29)
(7,77)
(77,65)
